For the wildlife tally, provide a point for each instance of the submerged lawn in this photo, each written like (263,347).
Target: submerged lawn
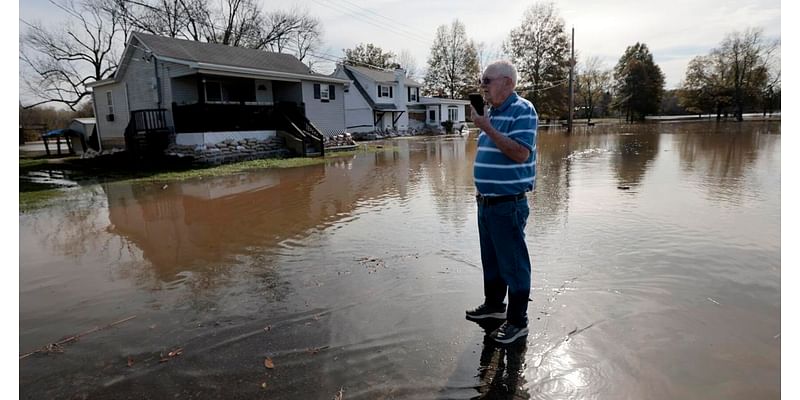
(116,168)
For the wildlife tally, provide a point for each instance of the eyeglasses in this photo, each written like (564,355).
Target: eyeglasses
(487,81)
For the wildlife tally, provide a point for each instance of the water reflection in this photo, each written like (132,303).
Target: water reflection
(719,160)
(373,258)
(501,372)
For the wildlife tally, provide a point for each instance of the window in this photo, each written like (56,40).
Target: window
(213,91)
(432,115)
(384,91)
(413,94)
(110,102)
(324,92)
(452,113)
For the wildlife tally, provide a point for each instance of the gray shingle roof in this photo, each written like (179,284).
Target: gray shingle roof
(221,54)
(380,76)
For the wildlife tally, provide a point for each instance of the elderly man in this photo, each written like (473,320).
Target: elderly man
(505,169)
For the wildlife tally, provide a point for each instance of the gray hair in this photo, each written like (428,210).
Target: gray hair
(504,68)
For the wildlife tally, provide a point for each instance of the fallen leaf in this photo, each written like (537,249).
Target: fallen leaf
(176,352)
(268,328)
(268,363)
(130,362)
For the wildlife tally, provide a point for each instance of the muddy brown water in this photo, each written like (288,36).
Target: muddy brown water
(656,275)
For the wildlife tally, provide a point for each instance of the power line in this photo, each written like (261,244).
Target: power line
(367,20)
(393,21)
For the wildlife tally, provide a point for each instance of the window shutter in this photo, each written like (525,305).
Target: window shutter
(409,93)
(417,90)
(316,91)
(332,90)
(379,90)
(391,94)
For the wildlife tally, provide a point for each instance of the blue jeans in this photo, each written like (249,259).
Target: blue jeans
(504,255)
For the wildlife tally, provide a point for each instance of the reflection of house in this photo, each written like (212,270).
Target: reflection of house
(205,93)
(379,99)
(200,225)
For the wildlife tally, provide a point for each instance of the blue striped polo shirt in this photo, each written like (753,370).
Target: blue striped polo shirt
(494,173)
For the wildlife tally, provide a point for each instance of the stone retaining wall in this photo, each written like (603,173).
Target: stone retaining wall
(229,151)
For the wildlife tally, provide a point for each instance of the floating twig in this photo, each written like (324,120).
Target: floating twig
(57,347)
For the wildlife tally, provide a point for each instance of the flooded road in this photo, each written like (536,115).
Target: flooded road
(656,275)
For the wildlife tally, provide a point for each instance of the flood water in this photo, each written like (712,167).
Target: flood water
(656,275)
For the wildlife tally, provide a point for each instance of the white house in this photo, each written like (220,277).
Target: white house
(379,99)
(204,93)
(438,110)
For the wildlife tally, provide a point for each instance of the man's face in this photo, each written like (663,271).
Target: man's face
(495,87)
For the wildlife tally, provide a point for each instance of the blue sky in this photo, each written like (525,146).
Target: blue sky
(675,31)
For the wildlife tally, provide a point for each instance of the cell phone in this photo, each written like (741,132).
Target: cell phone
(477,102)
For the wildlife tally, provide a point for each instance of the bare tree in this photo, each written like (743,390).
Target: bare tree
(749,57)
(63,61)
(539,47)
(308,38)
(235,23)
(409,64)
(172,18)
(592,82)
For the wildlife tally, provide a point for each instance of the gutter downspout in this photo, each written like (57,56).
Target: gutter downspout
(158,80)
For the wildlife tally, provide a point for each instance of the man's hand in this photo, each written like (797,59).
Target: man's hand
(482,122)
(509,147)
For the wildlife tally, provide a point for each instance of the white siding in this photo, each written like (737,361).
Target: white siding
(327,116)
(140,76)
(112,133)
(358,113)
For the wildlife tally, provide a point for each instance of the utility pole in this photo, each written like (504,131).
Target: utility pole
(571,77)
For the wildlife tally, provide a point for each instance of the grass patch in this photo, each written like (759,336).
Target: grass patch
(33,196)
(120,168)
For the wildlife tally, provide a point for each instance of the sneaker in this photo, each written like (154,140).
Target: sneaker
(487,311)
(508,333)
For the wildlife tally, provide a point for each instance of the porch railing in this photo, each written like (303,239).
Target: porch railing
(147,131)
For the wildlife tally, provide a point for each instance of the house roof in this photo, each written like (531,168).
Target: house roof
(219,58)
(380,75)
(441,100)
(220,54)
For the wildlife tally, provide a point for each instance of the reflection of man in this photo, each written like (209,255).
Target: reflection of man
(505,169)
(501,367)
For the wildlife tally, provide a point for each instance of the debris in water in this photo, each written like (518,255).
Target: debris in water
(340,394)
(58,348)
(315,350)
(268,363)
(170,355)
(623,187)
(713,301)
(164,187)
